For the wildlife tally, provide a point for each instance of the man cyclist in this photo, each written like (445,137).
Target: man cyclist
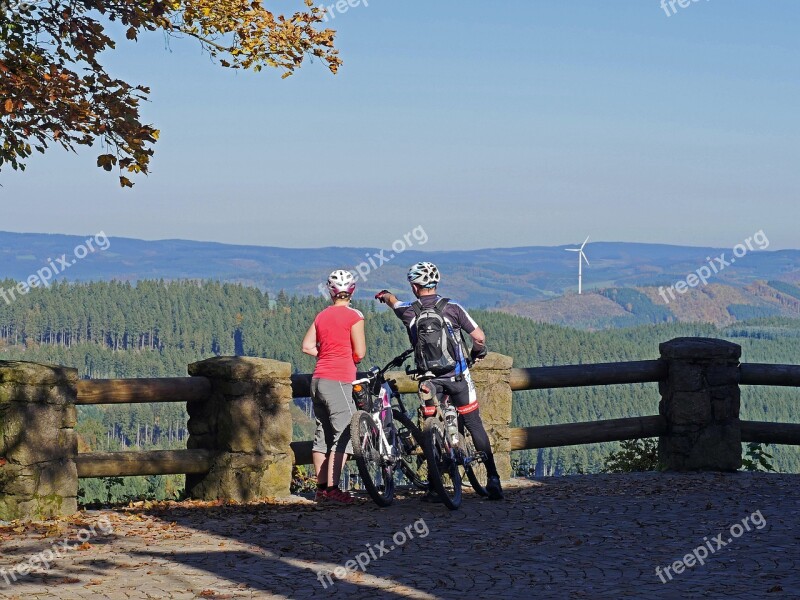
(424,277)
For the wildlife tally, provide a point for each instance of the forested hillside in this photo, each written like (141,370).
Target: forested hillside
(612,308)
(156,328)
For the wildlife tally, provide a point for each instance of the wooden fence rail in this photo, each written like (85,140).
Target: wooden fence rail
(766,374)
(592,432)
(145,389)
(771,433)
(184,389)
(537,378)
(151,462)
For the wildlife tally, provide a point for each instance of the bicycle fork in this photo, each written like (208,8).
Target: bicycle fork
(386,449)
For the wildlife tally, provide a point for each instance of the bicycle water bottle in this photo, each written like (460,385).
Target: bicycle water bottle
(451,424)
(407,439)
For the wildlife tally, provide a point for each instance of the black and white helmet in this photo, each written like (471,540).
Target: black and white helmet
(425,274)
(341,281)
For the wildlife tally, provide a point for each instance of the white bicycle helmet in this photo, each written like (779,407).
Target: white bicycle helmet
(340,282)
(425,274)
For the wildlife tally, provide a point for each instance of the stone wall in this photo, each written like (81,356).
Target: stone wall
(38,444)
(492,381)
(246,422)
(700,401)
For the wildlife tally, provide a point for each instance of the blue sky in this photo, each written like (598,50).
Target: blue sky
(493,124)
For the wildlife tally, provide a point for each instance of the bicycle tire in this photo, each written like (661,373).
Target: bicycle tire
(474,466)
(444,475)
(377,477)
(412,463)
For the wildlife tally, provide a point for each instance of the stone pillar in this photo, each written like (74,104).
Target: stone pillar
(492,380)
(38,444)
(246,423)
(700,401)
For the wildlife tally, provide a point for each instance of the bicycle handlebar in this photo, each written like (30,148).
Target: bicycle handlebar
(395,362)
(417,375)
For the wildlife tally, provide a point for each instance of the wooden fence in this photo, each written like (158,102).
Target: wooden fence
(184,389)
(697,424)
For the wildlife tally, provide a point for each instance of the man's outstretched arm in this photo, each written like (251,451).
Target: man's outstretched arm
(387,297)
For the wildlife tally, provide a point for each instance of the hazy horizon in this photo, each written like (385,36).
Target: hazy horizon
(427,247)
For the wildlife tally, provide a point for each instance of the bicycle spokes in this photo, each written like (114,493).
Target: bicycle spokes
(373,458)
(443,470)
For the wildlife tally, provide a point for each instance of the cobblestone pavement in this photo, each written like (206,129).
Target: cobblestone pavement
(593,536)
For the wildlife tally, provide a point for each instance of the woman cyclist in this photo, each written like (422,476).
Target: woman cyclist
(336,339)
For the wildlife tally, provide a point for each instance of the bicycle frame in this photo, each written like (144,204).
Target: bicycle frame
(383,418)
(382,439)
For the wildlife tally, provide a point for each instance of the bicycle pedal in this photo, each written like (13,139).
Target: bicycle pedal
(479,457)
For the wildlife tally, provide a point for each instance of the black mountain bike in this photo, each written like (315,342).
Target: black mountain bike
(386,443)
(449,451)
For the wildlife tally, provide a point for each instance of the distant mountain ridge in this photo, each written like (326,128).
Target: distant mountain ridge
(487,277)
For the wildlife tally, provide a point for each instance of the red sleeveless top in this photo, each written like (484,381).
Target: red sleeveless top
(335,357)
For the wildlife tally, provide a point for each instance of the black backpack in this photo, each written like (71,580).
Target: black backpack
(437,349)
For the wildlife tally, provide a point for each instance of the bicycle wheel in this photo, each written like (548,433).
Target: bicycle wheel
(412,456)
(474,466)
(444,475)
(376,474)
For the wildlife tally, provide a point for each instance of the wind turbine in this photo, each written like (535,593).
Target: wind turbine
(581,255)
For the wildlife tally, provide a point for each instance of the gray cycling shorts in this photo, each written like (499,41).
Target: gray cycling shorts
(333,409)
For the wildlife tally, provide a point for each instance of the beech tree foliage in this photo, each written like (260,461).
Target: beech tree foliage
(55,90)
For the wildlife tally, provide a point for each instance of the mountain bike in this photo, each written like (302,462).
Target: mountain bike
(449,450)
(386,442)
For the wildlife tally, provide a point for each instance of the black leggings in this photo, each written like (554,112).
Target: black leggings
(472,421)
(459,397)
